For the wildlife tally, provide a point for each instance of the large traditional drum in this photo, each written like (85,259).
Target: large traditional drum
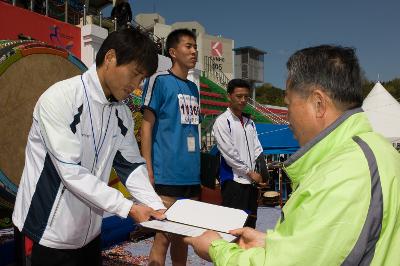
(27,69)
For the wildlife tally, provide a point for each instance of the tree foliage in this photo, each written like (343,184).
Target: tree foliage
(268,94)
(393,87)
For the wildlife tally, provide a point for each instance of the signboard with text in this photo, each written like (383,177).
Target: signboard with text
(17,21)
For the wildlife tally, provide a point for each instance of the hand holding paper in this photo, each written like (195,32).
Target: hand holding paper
(249,238)
(192,218)
(141,213)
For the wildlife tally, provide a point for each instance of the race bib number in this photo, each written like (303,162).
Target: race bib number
(196,110)
(189,109)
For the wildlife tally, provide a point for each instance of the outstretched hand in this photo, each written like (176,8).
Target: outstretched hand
(249,238)
(202,243)
(142,213)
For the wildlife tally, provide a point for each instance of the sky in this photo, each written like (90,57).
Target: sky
(282,27)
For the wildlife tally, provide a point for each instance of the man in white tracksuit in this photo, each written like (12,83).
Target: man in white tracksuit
(80,130)
(237,141)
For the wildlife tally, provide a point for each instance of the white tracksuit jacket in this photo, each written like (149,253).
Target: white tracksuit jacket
(76,137)
(239,146)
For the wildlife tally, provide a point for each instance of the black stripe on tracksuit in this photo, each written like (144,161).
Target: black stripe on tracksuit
(124,130)
(77,119)
(42,201)
(123,167)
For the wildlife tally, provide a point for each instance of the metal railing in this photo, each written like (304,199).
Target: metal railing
(111,24)
(207,136)
(72,11)
(63,10)
(212,72)
(160,42)
(207,131)
(276,119)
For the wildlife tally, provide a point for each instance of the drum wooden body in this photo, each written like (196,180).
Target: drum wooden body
(270,198)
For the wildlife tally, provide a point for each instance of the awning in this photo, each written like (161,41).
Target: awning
(276,139)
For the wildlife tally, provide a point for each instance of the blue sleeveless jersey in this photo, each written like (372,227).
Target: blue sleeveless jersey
(175,104)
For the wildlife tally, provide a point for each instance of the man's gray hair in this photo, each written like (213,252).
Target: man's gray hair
(334,69)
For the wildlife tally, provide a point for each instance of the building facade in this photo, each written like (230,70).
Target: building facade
(213,51)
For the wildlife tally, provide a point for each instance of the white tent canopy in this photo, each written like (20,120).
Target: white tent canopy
(383,112)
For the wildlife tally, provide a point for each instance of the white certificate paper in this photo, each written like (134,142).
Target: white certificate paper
(192,218)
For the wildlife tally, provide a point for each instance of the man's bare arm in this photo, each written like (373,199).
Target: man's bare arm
(146,140)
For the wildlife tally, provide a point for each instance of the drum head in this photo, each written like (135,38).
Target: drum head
(24,76)
(270,194)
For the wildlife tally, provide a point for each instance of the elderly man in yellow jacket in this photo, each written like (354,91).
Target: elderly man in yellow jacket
(345,208)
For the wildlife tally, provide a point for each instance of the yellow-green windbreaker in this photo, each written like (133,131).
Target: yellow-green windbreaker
(345,208)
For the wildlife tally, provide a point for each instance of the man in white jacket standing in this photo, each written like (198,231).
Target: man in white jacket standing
(80,130)
(237,141)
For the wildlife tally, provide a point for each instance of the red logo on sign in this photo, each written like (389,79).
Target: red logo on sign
(216,49)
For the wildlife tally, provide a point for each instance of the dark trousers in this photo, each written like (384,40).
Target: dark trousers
(21,257)
(90,254)
(241,196)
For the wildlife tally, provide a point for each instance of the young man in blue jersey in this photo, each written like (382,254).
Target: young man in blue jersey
(170,138)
